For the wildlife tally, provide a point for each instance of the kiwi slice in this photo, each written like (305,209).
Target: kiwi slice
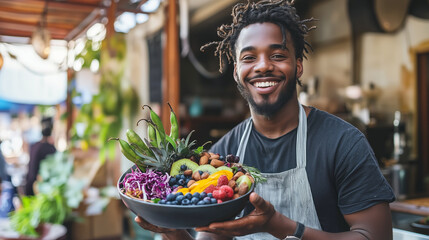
(205,168)
(177,168)
(243,179)
(224,168)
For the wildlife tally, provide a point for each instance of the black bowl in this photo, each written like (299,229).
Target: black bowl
(420,227)
(183,217)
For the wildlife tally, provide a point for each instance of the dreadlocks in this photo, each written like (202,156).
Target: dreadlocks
(280,12)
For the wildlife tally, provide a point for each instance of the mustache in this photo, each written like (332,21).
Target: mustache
(247,79)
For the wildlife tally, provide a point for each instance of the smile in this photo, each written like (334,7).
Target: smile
(265,84)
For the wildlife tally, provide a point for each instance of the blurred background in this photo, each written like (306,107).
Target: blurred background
(90,65)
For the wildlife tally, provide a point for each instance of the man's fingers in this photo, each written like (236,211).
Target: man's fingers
(259,203)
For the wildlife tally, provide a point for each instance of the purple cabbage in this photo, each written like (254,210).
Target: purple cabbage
(147,186)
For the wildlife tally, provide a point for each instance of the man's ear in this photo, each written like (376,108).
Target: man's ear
(235,73)
(299,67)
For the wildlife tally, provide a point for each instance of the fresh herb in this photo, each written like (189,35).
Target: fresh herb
(255,173)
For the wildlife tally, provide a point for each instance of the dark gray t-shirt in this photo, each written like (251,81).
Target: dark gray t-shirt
(342,170)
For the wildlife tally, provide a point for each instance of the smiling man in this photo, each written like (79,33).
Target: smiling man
(323,181)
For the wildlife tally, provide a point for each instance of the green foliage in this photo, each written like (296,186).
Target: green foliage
(103,116)
(58,193)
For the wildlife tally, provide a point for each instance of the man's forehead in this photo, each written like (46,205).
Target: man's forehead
(266,33)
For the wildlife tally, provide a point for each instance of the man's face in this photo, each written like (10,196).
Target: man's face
(265,70)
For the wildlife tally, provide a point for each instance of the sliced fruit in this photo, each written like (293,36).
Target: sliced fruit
(244,179)
(205,168)
(176,167)
(217,174)
(224,168)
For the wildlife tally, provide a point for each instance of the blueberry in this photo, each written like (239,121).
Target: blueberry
(213,200)
(175,186)
(203,195)
(181,182)
(201,202)
(182,176)
(210,195)
(187,180)
(175,203)
(183,167)
(171,197)
(188,196)
(196,195)
(185,201)
(207,200)
(169,203)
(222,158)
(162,201)
(172,181)
(179,193)
(195,200)
(200,172)
(180,198)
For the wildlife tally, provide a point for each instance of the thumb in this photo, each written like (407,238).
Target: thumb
(259,203)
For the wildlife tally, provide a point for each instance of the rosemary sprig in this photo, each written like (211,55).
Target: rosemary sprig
(256,174)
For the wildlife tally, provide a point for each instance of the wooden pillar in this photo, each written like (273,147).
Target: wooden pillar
(171,73)
(69,104)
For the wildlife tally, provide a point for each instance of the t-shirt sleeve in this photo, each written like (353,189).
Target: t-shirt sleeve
(360,183)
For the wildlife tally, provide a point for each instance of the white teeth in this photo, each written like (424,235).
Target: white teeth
(265,84)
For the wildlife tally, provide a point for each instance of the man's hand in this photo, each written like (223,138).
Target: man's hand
(257,221)
(167,233)
(144,224)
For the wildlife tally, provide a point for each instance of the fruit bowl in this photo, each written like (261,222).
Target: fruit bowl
(183,217)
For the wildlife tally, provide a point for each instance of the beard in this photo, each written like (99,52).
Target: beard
(265,108)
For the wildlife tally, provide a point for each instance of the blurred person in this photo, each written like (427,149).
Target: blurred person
(38,152)
(7,189)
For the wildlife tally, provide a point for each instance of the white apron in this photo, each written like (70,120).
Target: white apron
(289,191)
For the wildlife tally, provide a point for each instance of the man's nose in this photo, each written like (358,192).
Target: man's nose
(263,65)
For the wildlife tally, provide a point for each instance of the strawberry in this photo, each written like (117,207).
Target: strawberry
(219,194)
(210,189)
(229,192)
(222,180)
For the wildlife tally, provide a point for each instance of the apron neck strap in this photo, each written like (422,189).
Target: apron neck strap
(301,139)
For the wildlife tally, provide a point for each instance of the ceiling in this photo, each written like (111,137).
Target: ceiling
(65,19)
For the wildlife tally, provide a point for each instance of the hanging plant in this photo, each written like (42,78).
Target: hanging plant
(103,116)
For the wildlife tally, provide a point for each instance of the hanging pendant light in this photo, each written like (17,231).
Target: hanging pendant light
(1,61)
(41,37)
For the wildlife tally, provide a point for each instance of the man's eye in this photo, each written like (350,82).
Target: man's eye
(247,58)
(278,56)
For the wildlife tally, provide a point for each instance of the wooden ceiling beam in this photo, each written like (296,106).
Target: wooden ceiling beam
(84,25)
(52,21)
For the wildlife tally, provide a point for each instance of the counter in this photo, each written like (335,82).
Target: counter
(399,234)
(417,206)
